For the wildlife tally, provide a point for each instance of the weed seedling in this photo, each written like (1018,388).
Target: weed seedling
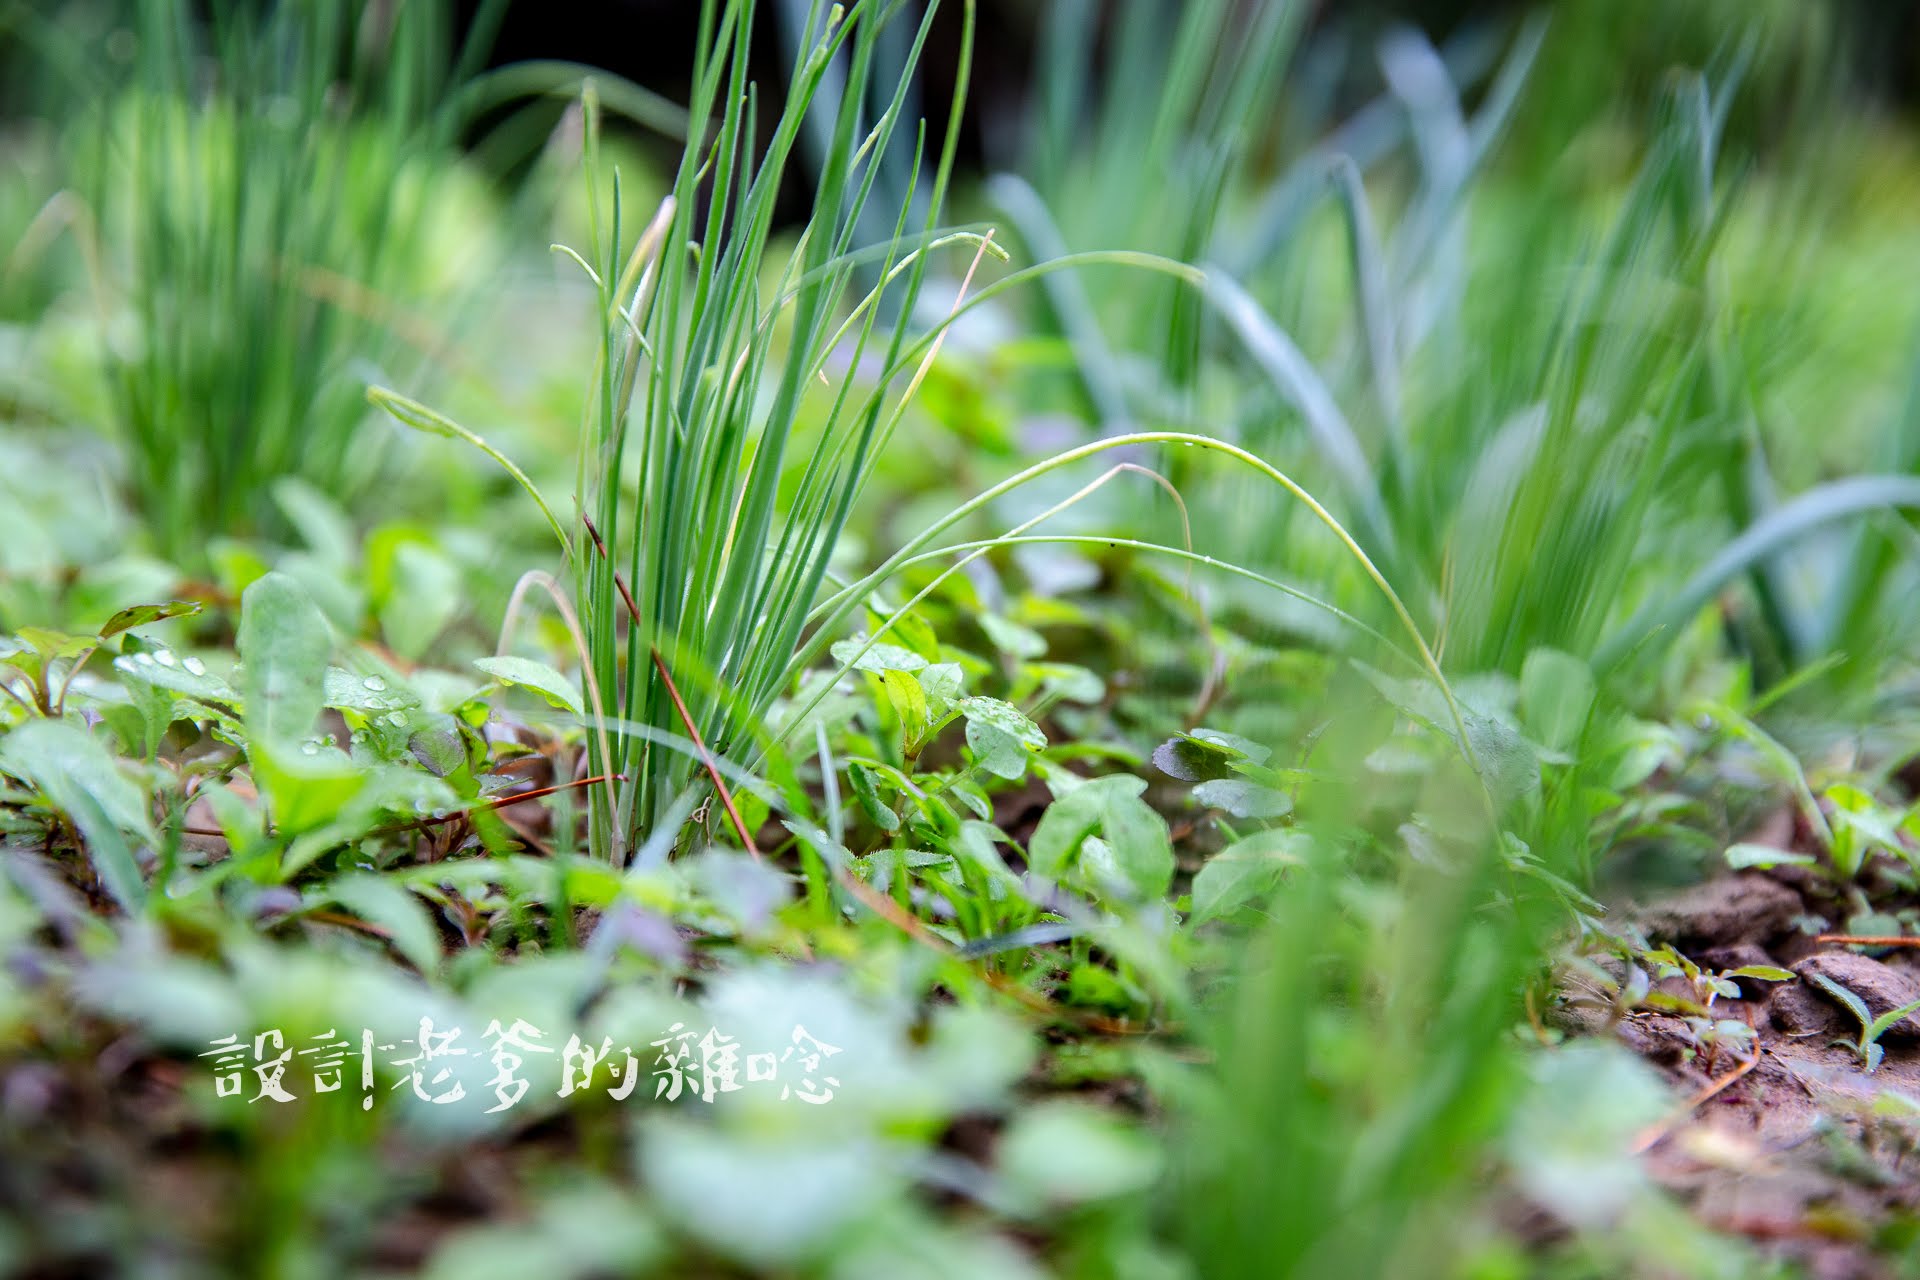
(1867,1048)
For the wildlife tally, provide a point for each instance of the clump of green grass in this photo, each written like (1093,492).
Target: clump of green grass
(730,384)
(266,185)
(731,424)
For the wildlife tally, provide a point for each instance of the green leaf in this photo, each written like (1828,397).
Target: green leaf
(53,645)
(321,523)
(1068,820)
(1191,759)
(537,676)
(944,685)
(1507,762)
(1000,736)
(1233,743)
(1879,1025)
(347,691)
(909,702)
(306,792)
(1060,1153)
(1761,973)
(1069,682)
(415,587)
(1779,527)
(863,789)
(879,656)
(142,614)
(77,776)
(976,848)
(396,909)
(1245,871)
(1854,1003)
(1135,834)
(1011,638)
(1742,856)
(284,645)
(1556,696)
(185,676)
(1243,799)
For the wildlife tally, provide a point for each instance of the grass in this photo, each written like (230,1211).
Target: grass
(1197,828)
(247,314)
(721,576)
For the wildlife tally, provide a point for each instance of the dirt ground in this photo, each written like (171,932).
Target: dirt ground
(1790,1143)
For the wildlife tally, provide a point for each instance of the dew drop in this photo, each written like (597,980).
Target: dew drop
(144,659)
(164,657)
(397,719)
(194,666)
(375,683)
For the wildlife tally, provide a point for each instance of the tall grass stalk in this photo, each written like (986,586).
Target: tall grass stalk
(729,437)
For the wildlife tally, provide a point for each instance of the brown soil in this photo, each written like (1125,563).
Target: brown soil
(1797,1148)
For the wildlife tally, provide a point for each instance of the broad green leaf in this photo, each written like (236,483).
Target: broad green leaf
(175,674)
(1243,799)
(149,712)
(1507,762)
(1068,820)
(284,646)
(977,846)
(1074,684)
(53,645)
(1061,1153)
(416,589)
(1245,871)
(943,684)
(1556,696)
(396,909)
(1000,736)
(1569,1137)
(879,656)
(1234,743)
(1191,759)
(305,792)
(77,776)
(346,691)
(909,702)
(1111,806)
(537,676)
(1415,697)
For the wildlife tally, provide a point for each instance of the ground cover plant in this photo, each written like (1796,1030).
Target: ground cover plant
(1306,673)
